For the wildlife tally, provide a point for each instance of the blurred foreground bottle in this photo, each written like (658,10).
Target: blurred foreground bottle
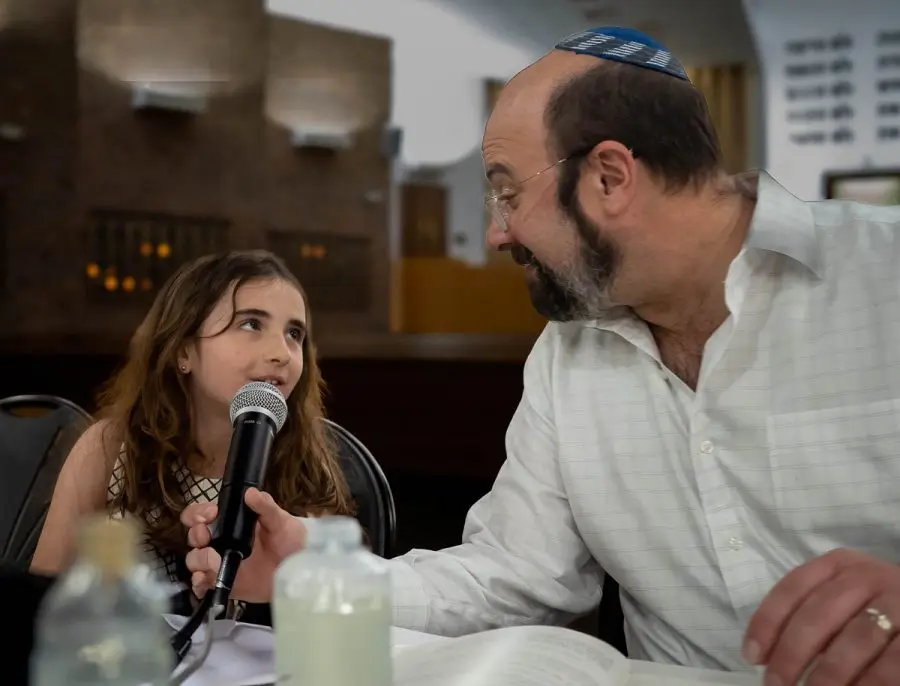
(332,611)
(101,624)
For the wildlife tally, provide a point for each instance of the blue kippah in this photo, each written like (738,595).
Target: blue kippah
(624,45)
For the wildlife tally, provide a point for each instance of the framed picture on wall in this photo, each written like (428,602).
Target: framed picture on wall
(873,186)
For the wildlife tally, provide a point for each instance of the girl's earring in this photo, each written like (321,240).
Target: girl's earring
(184,369)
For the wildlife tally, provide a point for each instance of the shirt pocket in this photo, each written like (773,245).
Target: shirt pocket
(836,475)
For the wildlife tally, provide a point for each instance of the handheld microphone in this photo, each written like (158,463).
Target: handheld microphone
(258,411)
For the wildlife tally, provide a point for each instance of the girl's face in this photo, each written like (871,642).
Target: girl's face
(264,342)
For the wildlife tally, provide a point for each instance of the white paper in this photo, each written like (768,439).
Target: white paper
(516,656)
(241,654)
(244,655)
(402,638)
(652,674)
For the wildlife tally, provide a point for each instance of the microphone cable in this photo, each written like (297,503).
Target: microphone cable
(207,610)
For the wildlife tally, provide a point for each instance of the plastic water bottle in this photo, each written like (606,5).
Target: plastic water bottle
(332,611)
(101,624)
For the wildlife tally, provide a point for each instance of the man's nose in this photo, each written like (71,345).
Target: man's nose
(497,238)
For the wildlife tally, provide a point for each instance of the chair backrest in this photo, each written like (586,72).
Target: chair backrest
(369,488)
(36,434)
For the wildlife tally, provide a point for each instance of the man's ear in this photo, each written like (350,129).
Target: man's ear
(609,169)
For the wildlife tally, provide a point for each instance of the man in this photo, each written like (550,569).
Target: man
(713,415)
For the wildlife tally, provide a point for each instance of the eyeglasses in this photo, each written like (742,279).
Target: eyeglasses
(497,202)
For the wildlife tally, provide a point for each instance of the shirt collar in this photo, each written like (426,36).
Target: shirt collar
(783,223)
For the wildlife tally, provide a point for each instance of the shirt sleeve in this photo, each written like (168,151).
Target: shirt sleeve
(522,559)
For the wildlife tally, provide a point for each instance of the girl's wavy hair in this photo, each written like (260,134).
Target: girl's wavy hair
(148,405)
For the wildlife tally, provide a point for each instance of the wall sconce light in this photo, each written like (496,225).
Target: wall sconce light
(146,98)
(322,138)
(11,133)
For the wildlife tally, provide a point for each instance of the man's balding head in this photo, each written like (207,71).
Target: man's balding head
(567,101)
(586,138)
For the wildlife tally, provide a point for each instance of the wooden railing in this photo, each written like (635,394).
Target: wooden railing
(441,295)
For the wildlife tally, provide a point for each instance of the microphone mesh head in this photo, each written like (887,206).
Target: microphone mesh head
(259,396)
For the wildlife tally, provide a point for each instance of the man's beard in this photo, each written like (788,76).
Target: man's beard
(582,292)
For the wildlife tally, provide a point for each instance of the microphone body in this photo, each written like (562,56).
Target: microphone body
(248,457)
(258,412)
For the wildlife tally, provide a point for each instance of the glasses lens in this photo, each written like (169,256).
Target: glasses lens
(500,219)
(493,205)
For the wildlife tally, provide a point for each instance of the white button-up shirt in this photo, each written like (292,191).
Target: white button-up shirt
(697,503)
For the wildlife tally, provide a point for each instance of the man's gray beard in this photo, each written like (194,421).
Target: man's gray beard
(582,291)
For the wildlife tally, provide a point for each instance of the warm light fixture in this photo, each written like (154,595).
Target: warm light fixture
(312,252)
(151,98)
(13,133)
(322,137)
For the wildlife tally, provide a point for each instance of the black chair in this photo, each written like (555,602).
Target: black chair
(36,434)
(369,488)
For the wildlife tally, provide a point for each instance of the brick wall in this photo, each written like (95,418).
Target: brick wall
(172,163)
(38,96)
(88,148)
(317,76)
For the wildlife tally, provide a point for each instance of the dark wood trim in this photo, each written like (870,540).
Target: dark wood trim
(477,347)
(486,347)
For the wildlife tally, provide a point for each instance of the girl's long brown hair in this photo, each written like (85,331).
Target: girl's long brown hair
(147,405)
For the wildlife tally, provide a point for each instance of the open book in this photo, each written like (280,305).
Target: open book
(243,655)
(515,656)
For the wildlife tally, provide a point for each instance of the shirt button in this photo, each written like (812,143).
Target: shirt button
(706,447)
(735,543)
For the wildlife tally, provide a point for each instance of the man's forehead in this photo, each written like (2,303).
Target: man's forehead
(512,145)
(517,121)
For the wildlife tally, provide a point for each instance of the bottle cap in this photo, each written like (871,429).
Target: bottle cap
(335,531)
(109,544)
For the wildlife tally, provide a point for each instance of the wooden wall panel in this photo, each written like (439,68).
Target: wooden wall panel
(725,89)
(447,296)
(424,212)
(335,268)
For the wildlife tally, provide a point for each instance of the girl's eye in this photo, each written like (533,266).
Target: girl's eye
(251,325)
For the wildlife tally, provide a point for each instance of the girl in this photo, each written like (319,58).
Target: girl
(163,437)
